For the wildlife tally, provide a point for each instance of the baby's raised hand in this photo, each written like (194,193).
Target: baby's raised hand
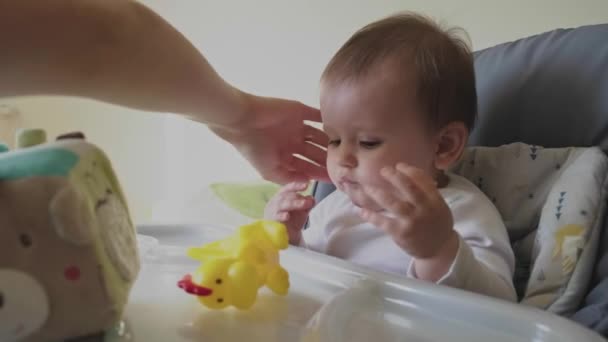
(291,208)
(417,218)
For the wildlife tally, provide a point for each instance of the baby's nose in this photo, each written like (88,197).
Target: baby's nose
(348,159)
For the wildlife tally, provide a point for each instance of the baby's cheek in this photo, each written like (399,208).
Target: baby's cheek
(332,170)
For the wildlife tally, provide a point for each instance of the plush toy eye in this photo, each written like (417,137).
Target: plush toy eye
(218,281)
(220,300)
(26,240)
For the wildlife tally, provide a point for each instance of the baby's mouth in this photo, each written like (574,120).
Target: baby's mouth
(347,183)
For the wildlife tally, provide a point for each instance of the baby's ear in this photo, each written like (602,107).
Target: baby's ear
(451,141)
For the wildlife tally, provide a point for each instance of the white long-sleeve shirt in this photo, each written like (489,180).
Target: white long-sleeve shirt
(484,262)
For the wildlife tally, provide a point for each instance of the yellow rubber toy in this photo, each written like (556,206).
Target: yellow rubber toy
(233,269)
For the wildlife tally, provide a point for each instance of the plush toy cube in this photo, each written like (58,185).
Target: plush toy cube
(68,253)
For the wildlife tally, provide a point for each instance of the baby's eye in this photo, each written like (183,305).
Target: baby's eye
(370,143)
(334,142)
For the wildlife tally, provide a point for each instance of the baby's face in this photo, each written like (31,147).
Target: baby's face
(373,122)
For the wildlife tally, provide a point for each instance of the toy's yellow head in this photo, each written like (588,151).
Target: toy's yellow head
(222,282)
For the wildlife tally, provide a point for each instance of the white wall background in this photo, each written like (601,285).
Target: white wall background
(269,47)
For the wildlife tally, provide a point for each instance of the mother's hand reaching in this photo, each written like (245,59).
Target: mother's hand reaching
(270,135)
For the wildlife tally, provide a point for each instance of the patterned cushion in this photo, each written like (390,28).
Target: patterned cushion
(553,203)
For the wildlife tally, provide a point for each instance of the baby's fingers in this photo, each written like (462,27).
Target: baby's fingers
(379,220)
(296,203)
(407,182)
(294,187)
(390,202)
(282,216)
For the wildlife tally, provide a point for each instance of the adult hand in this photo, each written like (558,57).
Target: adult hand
(270,135)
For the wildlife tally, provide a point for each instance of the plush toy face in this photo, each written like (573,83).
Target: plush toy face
(66,270)
(221,282)
(214,276)
(94,192)
(210,283)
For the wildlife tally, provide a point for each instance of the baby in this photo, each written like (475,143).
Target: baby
(398,101)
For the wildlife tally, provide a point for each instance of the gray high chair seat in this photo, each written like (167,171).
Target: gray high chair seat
(549,90)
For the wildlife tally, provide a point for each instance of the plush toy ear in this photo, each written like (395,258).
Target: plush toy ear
(244,284)
(71,217)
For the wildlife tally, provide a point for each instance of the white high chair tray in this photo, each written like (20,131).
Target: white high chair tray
(329,300)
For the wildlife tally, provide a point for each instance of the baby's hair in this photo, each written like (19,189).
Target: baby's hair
(441,60)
